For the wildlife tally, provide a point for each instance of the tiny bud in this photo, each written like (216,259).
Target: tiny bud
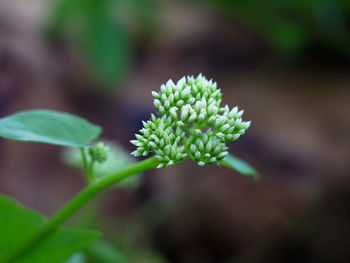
(236,136)
(241,132)
(239,114)
(173,113)
(153,145)
(224,127)
(191,100)
(159,157)
(155,95)
(219,122)
(166,104)
(201,117)
(200,144)
(193,117)
(220,135)
(164,97)
(180,124)
(176,95)
(134,142)
(171,99)
(208,147)
(222,155)
(170,83)
(161,110)
(163,88)
(229,137)
(99,152)
(184,113)
(197,131)
(139,137)
(247,124)
(217,149)
(193,149)
(212,109)
(180,103)
(161,165)
(136,153)
(212,119)
(157,103)
(212,160)
(185,93)
(181,82)
(201,163)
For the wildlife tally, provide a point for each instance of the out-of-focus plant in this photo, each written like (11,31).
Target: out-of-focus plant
(103,31)
(116,159)
(290,26)
(192,124)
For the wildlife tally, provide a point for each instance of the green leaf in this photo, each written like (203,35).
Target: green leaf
(78,257)
(106,46)
(240,166)
(18,223)
(95,29)
(103,252)
(51,127)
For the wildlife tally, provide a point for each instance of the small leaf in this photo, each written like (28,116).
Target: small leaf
(18,223)
(51,127)
(240,166)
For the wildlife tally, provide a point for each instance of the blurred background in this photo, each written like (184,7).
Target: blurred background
(287,63)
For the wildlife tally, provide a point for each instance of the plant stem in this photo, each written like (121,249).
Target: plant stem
(87,167)
(76,202)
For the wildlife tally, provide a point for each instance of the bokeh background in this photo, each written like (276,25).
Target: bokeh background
(287,63)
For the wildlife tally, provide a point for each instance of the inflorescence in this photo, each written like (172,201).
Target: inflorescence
(192,124)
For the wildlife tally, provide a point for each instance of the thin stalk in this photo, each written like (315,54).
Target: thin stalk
(76,202)
(90,174)
(87,167)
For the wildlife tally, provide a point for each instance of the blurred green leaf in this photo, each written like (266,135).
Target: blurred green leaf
(18,223)
(76,258)
(102,39)
(240,166)
(291,26)
(106,48)
(48,127)
(102,252)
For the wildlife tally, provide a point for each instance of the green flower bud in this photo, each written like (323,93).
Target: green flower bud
(193,148)
(173,113)
(99,152)
(184,112)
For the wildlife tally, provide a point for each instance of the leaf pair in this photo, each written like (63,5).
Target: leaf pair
(18,223)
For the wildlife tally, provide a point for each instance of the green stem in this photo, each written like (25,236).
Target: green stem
(87,167)
(188,131)
(74,204)
(90,174)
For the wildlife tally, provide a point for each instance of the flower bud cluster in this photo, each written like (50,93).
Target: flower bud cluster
(99,152)
(192,124)
(160,136)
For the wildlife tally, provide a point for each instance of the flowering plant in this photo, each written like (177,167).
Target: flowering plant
(190,124)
